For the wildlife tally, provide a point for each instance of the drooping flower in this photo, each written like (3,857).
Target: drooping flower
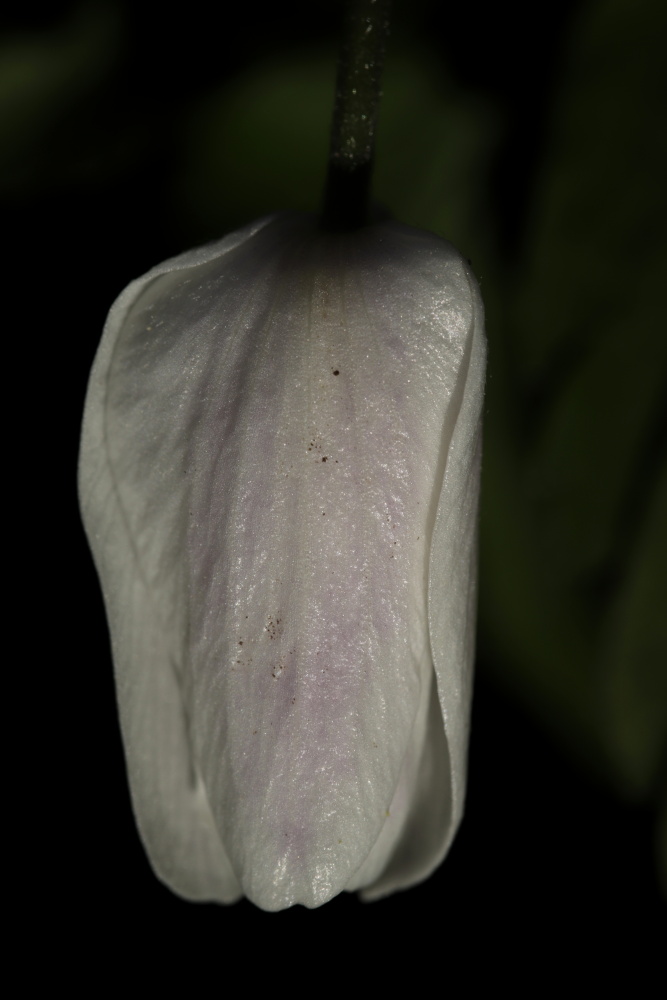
(279,480)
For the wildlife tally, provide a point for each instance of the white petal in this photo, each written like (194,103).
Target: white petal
(269,425)
(452,603)
(439,789)
(169,799)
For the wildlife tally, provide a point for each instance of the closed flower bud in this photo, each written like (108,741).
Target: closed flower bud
(279,480)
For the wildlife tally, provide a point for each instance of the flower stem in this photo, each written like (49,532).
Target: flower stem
(356,106)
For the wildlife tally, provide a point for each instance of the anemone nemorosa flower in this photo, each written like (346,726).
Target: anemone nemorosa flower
(279,481)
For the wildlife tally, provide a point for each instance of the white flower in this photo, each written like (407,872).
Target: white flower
(279,481)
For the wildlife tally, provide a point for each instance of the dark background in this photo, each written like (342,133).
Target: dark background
(538,148)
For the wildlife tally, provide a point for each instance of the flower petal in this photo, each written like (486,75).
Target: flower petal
(127,542)
(439,785)
(276,450)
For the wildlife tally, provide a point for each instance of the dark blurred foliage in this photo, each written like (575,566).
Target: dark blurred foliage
(536,144)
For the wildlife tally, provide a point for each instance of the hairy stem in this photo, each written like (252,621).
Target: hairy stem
(356,106)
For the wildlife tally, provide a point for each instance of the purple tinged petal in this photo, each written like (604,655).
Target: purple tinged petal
(279,479)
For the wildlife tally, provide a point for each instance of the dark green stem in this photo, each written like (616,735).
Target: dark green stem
(357,102)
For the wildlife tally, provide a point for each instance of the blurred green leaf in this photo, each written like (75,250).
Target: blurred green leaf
(43,76)
(633,674)
(435,143)
(598,219)
(573,521)
(258,144)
